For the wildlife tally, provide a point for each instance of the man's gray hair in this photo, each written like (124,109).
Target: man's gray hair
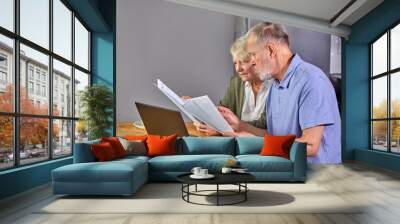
(269,31)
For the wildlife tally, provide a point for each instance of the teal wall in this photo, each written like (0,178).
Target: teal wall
(24,178)
(102,63)
(356,85)
(99,15)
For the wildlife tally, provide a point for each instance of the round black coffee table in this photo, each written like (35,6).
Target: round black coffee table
(238,179)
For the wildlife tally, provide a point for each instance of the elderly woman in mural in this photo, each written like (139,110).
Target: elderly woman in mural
(246,94)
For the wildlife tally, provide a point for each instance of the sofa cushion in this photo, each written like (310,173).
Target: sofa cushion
(103,152)
(116,145)
(111,171)
(185,163)
(277,145)
(207,145)
(134,147)
(249,145)
(161,145)
(257,163)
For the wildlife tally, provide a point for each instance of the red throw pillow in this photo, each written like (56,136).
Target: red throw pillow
(103,152)
(161,145)
(116,145)
(135,137)
(277,145)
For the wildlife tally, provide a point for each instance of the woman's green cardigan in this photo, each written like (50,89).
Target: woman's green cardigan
(234,99)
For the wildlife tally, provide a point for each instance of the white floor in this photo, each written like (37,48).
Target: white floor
(378,189)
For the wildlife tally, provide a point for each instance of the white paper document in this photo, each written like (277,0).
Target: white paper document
(197,109)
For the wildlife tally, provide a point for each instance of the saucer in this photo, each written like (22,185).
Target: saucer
(208,176)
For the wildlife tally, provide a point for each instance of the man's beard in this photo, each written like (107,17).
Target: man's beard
(265,76)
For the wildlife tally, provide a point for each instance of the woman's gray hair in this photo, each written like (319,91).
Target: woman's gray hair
(238,49)
(266,31)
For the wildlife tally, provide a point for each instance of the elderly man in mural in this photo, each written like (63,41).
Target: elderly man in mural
(302,100)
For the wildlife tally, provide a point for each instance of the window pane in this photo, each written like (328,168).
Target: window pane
(81,81)
(6,74)
(395,94)
(35,21)
(62,138)
(395,47)
(81,45)
(62,29)
(33,140)
(81,131)
(34,74)
(62,89)
(379,55)
(7,14)
(6,142)
(379,98)
(395,136)
(379,135)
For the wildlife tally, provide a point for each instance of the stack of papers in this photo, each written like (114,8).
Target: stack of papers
(197,109)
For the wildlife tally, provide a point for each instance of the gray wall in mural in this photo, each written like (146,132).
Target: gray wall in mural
(187,48)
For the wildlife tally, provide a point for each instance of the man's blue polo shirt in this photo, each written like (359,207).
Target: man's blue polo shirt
(306,98)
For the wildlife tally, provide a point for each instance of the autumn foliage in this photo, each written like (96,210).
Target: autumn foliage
(380,127)
(33,131)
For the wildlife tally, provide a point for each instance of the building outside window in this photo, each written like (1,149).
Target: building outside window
(34,79)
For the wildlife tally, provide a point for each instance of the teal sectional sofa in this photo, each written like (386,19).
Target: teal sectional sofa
(125,176)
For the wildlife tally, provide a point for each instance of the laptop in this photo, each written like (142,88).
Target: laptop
(161,121)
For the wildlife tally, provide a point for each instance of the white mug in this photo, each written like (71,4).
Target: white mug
(226,170)
(196,171)
(203,172)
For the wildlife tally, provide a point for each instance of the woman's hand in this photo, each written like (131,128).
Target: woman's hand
(230,117)
(186,97)
(205,129)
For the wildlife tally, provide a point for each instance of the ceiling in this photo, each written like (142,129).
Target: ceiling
(327,16)
(320,9)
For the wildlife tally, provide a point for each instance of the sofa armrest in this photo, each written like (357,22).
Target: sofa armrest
(298,155)
(83,152)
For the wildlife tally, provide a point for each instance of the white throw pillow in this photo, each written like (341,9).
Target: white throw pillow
(134,147)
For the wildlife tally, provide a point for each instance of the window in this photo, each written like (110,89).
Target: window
(6,142)
(37,75)
(6,73)
(35,21)
(44,91)
(62,137)
(81,81)
(81,45)
(385,94)
(3,78)
(62,31)
(62,74)
(7,14)
(30,72)
(37,89)
(30,87)
(47,74)
(3,61)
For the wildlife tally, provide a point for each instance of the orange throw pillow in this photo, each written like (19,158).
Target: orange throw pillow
(161,145)
(135,137)
(277,145)
(116,145)
(103,152)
